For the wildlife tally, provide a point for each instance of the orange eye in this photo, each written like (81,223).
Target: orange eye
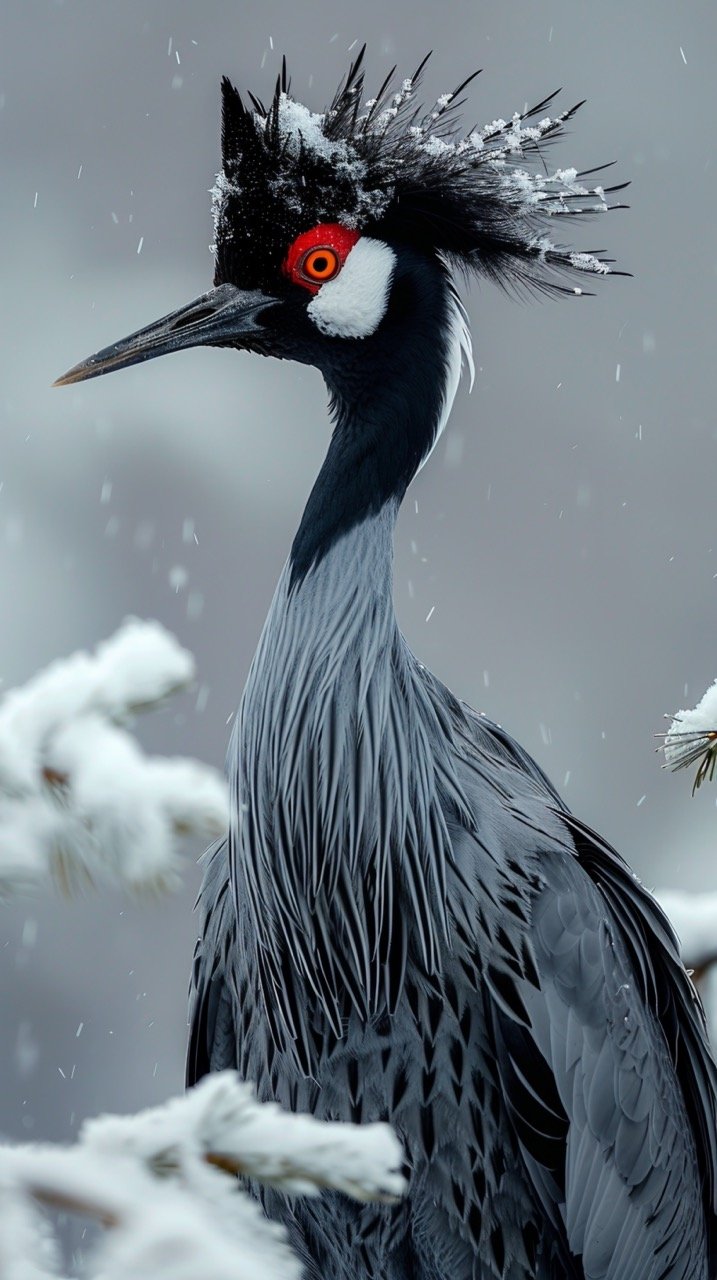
(317,255)
(320,264)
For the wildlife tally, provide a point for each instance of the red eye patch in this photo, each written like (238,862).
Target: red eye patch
(319,254)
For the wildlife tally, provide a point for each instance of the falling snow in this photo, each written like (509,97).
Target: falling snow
(178,577)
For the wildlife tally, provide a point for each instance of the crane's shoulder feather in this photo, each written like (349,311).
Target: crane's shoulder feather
(605,1109)
(605,1059)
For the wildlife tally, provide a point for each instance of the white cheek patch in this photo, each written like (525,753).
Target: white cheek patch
(354,304)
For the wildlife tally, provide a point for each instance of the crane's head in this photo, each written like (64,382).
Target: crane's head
(329,227)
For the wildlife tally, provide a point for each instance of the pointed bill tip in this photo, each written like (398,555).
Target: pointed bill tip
(96,365)
(72,375)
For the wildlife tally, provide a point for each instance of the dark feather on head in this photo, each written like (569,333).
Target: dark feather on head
(398,172)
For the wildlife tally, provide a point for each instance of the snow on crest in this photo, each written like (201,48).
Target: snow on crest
(385,118)
(588,262)
(499,144)
(78,798)
(302,128)
(555,193)
(220,193)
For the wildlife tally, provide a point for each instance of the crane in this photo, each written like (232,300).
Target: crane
(406,923)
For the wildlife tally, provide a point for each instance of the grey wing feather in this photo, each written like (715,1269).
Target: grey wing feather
(629,1154)
(622,1080)
(604,1061)
(212,1031)
(665,986)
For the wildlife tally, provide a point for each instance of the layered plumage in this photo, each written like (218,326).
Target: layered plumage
(406,923)
(487,975)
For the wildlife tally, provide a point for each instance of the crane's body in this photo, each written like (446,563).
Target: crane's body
(405,922)
(483,1039)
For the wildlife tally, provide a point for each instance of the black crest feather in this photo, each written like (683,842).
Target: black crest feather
(485,200)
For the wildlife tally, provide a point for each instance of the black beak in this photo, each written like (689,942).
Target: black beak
(225,316)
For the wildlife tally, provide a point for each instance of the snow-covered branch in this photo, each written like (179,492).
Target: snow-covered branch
(79,800)
(692,738)
(158,1181)
(694,919)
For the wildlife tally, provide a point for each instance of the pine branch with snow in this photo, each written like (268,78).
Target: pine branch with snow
(158,1182)
(694,919)
(692,739)
(80,802)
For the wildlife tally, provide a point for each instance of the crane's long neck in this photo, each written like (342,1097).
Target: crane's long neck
(338,841)
(342,779)
(390,399)
(390,396)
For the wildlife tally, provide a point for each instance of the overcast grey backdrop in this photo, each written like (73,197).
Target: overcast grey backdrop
(562,539)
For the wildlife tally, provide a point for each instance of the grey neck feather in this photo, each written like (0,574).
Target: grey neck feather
(344,781)
(339,843)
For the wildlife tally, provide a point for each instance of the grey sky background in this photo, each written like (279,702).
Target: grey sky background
(562,539)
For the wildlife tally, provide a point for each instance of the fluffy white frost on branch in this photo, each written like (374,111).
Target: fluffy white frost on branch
(79,800)
(694,918)
(159,1182)
(692,738)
